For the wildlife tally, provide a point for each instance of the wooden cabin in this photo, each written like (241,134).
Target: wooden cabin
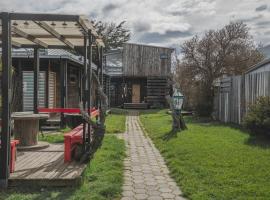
(139,75)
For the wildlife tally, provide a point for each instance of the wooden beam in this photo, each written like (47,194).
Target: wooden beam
(36,78)
(29,37)
(86,25)
(52,31)
(6,92)
(43,17)
(16,44)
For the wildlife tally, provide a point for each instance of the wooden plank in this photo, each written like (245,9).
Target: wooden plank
(29,37)
(46,169)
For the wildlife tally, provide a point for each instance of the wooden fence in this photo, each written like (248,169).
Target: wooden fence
(236,93)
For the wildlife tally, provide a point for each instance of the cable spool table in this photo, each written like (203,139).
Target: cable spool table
(26,129)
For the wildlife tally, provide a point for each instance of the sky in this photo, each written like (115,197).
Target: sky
(161,22)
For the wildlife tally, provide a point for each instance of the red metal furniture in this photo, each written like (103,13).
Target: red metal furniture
(70,139)
(13,151)
(75,135)
(63,110)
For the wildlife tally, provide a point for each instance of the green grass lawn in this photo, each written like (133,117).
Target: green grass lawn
(116,123)
(55,137)
(212,161)
(103,178)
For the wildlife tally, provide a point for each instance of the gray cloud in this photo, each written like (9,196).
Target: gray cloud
(109,7)
(261,8)
(156,37)
(251,19)
(160,22)
(263,24)
(140,26)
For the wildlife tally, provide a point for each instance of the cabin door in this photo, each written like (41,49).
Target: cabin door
(136,93)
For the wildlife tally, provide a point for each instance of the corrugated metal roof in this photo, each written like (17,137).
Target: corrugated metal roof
(258,65)
(49,53)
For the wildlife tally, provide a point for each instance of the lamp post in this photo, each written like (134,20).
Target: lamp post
(178,99)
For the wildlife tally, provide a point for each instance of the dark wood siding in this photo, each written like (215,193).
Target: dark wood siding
(73,90)
(143,60)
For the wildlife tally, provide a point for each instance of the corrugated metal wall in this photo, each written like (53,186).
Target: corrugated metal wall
(236,93)
(28,90)
(52,90)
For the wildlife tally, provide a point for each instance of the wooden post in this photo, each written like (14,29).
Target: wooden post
(89,76)
(6,77)
(20,93)
(36,77)
(85,87)
(47,85)
(63,88)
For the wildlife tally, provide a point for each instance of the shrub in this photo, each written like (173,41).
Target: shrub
(257,119)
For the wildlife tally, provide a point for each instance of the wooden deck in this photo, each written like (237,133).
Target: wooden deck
(46,168)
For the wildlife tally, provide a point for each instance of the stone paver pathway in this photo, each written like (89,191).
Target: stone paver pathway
(146,175)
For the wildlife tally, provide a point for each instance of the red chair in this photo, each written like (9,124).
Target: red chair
(13,152)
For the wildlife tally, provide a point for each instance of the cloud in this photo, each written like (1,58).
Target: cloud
(156,37)
(109,7)
(261,8)
(141,26)
(160,22)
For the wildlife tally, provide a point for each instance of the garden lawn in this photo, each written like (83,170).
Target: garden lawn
(116,123)
(103,178)
(212,161)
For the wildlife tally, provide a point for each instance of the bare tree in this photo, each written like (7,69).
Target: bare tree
(113,35)
(228,51)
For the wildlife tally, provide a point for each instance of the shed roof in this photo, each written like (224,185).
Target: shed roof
(258,65)
(147,45)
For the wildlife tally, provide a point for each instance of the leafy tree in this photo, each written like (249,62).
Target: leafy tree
(228,51)
(113,35)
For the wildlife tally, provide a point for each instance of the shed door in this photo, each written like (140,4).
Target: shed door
(136,93)
(52,90)
(28,90)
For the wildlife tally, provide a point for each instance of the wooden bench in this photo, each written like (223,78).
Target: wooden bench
(70,139)
(75,136)
(13,152)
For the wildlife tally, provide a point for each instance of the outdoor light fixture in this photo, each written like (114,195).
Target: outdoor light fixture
(178,99)
(15,23)
(26,23)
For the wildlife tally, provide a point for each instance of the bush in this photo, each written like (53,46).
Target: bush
(257,119)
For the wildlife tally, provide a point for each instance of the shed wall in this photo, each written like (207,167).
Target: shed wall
(143,61)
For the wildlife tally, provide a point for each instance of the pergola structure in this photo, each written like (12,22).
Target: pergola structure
(37,31)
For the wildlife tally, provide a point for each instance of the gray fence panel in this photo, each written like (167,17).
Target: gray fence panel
(236,93)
